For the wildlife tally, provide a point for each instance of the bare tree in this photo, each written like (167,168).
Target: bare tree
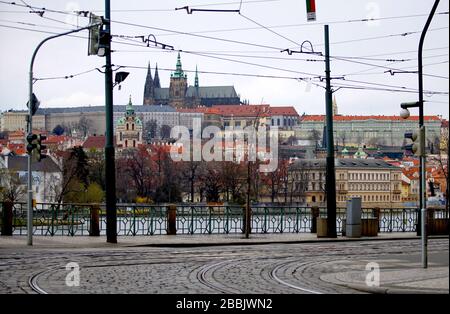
(233,176)
(442,160)
(315,137)
(84,126)
(190,171)
(212,183)
(150,130)
(11,189)
(73,170)
(135,168)
(165,132)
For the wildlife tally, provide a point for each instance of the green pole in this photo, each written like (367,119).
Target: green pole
(111,212)
(331,175)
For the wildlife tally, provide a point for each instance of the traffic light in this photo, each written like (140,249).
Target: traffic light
(32,143)
(417,148)
(40,147)
(104,42)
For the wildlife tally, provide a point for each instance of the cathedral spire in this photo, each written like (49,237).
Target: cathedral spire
(156,82)
(129,109)
(335,106)
(179,71)
(197,85)
(149,89)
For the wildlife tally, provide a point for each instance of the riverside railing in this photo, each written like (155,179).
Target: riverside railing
(142,219)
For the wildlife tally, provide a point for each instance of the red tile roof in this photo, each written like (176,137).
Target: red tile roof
(18,149)
(55,139)
(255,110)
(283,111)
(205,110)
(97,142)
(320,118)
(243,111)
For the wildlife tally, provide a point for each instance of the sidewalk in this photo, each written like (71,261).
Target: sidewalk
(396,277)
(184,240)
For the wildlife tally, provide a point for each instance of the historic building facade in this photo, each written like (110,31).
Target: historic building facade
(371,131)
(181,95)
(129,129)
(376,182)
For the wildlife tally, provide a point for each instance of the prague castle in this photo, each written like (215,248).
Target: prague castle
(181,95)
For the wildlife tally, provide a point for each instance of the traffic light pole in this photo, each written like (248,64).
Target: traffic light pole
(330,174)
(30,130)
(423,188)
(110,173)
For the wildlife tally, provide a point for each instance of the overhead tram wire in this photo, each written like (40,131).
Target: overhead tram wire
(382,37)
(231,60)
(194,53)
(35,25)
(397,53)
(269,76)
(402,68)
(400,88)
(214,72)
(208,37)
(234,61)
(298,25)
(333,57)
(65,76)
(191,34)
(193,6)
(393,61)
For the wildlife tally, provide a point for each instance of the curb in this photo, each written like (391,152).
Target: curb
(244,243)
(391,290)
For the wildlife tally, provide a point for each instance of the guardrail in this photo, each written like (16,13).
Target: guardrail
(141,219)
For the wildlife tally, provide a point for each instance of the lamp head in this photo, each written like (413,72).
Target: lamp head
(405,114)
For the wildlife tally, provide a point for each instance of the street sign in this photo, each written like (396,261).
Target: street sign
(311,10)
(94,34)
(34,104)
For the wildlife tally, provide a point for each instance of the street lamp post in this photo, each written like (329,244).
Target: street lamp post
(422,217)
(111,213)
(30,130)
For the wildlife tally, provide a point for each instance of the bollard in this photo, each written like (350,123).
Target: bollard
(376,212)
(431,229)
(353,220)
(172,220)
(95,222)
(315,213)
(7,219)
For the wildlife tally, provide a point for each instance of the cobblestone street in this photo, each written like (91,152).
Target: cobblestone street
(335,267)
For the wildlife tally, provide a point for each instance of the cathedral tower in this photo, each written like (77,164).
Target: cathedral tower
(178,86)
(149,89)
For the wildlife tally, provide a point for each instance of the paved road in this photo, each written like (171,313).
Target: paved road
(257,269)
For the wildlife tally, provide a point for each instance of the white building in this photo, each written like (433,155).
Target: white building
(47,176)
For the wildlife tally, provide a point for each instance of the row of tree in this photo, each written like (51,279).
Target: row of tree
(148,174)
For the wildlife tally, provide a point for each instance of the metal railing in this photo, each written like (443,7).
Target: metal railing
(139,219)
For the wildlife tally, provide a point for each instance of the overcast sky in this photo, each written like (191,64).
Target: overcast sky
(68,56)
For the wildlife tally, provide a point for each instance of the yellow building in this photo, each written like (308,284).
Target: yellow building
(376,182)
(17,121)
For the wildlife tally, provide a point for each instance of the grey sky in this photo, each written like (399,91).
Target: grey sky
(68,55)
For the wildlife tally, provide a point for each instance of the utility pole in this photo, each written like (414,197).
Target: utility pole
(331,174)
(423,189)
(110,173)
